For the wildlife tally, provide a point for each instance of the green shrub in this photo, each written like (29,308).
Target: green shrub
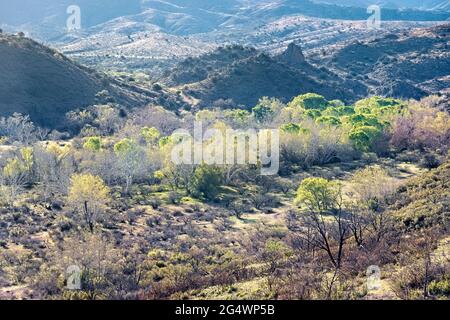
(329,120)
(364,137)
(440,287)
(206,182)
(310,101)
(93,144)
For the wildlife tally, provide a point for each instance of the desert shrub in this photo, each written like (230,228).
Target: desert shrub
(174,197)
(440,287)
(93,144)
(430,161)
(206,182)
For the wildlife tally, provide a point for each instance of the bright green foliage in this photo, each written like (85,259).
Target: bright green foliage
(359,120)
(310,101)
(206,182)
(89,195)
(27,158)
(14,167)
(329,120)
(164,141)
(262,112)
(364,136)
(20,165)
(124,146)
(150,135)
(379,106)
(93,144)
(291,128)
(440,287)
(159,175)
(313,113)
(339,111)
(318,194)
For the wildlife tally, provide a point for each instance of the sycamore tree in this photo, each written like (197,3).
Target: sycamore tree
(16,174)
(130,158)
(321,202)
(89,196)
(370,188)
(310,101)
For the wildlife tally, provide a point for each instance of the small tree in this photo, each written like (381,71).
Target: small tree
(267,109)
(150,135)
(239,207)
(18,128)
(108,118)
(262,113)
(89,195)
(93,144)
(16,174)
(275,254)
(370,188)
(129,160)
(323,204)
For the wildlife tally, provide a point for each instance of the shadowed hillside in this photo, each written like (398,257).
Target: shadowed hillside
(241,76)
(41,82)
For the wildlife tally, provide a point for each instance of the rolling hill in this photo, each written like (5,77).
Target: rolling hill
(241,76)
(41,82)
(408,65)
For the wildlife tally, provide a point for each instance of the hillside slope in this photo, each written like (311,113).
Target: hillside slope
(241,76)
(424,200)
(41,82)
(408,65)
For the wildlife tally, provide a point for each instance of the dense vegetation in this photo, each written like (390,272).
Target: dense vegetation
(359,185)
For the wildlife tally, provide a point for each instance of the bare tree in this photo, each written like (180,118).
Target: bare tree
(324,215)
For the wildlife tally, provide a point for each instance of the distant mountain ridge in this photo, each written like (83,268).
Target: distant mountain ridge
(46,19)
(408,65)
(436,5)
(237,76)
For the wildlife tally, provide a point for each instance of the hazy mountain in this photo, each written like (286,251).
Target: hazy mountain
(47,19)
(53,13)
(412,4)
